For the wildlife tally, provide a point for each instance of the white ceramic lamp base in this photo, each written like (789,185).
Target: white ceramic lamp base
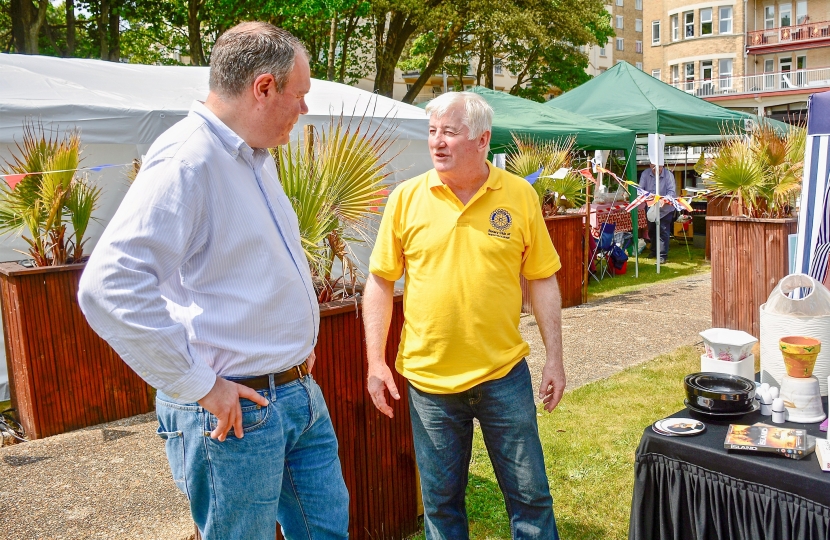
(744,368)
(802,399)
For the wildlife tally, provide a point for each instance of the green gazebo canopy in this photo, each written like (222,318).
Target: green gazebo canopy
(627,97)
(524,117)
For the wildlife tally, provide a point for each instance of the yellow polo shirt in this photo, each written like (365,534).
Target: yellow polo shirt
(462,297)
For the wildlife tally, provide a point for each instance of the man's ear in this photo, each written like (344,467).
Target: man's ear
(484,140)
(263,86)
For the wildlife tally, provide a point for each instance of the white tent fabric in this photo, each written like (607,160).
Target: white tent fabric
(813,244)
(120,109)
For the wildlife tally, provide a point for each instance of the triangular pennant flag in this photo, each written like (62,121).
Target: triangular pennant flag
(532,177)
(587,174)
(14,179)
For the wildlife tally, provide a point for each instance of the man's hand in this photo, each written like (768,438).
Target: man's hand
(223,402)
(379,379)
(310,360)
(553,384)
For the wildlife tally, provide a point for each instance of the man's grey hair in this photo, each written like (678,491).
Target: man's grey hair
(248,50)
(478,114)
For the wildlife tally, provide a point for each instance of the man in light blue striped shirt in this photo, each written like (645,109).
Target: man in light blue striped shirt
(201,285)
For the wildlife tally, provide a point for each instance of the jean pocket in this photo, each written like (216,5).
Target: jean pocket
(174,448)
(253,418)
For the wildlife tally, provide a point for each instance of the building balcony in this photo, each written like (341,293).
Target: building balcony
(785,38)
(804,80)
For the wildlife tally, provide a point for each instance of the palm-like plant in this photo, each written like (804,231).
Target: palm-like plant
(336,187)
(555,194)
(762,172)
(51,196)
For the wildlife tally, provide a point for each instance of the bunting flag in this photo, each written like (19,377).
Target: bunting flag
(587,174)
(13,179)
(635,203)
(532,177)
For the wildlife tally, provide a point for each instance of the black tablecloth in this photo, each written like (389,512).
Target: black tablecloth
(691,487)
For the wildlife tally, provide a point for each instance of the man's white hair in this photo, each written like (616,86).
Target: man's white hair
(478,114)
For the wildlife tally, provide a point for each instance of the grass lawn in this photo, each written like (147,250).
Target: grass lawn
(678,265)
(589,443)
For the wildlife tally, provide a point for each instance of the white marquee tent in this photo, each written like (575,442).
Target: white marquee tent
(121,108)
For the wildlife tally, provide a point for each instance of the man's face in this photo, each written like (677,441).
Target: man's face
(283,109)
(449,145)
(655,169)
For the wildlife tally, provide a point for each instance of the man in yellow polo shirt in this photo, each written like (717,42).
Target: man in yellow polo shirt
(463,233)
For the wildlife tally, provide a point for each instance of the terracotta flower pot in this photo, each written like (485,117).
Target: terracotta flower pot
(800,355)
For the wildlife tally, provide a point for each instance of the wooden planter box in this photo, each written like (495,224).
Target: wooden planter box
(62,375)
(567,232)
(749,257)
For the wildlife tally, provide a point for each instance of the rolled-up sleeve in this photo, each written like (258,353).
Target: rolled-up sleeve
(159,225)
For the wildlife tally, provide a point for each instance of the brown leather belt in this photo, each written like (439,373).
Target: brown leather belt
(262,383)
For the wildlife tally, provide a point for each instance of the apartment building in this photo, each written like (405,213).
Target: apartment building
(628,43)
(759,56)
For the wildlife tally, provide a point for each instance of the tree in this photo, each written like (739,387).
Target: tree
(27,18)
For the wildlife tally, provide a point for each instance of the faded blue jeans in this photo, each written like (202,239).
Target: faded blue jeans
(285,468)
(442,426)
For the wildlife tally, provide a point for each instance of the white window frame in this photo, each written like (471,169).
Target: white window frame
(602,52)
(722,19)
(706,19)
(785,10)
(620,20)
(675,27)
(620,3)
(638,5)
(801,12)
(639,65)
(724,75)
(655,73)
(638,25)
(689,76)
(655,32)
(675,74)
(688,24)
(638,46)
(497,66)
(769,17)
(620,44)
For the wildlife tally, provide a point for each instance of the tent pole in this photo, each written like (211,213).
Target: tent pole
(631,174)
(586,243)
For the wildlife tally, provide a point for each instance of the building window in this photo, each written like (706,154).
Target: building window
(655,32)
(725,73)
(675,28)
(639,65)
(800,12)
(497,66)
(689,24)
(725,18)
(785,14)
(619,21)
(638,46)
(689,76)
(706,70)
(638,4)
(769,17)
(706,22)
(675,74)
(620,3)
(655,73)
(638,25)
(620,44)
(602,52)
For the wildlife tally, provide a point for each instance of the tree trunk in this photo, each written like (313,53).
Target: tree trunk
(489,66)
(194,33)
(332,48)
(442,49)
(115,35)
(70,28)
(344,55)
(103,27)
(389,46)
(520,78)
(27,19)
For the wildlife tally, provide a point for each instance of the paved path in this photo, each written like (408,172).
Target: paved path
(112,481)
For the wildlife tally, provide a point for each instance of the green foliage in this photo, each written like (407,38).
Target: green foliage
(50,197)
(762,172)
(555,194)
(336,187)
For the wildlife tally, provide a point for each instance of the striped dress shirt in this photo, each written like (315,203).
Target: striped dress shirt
(201,271)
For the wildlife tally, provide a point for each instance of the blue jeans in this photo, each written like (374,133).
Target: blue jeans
(442,426)
(665,236)
(285,469)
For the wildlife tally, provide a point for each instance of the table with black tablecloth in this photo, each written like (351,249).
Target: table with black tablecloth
(692,488)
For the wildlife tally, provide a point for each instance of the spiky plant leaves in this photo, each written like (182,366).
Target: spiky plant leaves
(80,204)
(531,155)
(737,172)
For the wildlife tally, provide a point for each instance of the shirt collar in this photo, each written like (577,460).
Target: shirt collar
(232,142)
(493,180)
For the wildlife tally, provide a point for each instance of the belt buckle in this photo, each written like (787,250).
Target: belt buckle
(299,371)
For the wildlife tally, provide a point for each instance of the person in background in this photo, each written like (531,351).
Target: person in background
(648,182)
(200,284)
(463,233)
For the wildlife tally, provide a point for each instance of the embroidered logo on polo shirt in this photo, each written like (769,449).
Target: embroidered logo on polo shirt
(500,221)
